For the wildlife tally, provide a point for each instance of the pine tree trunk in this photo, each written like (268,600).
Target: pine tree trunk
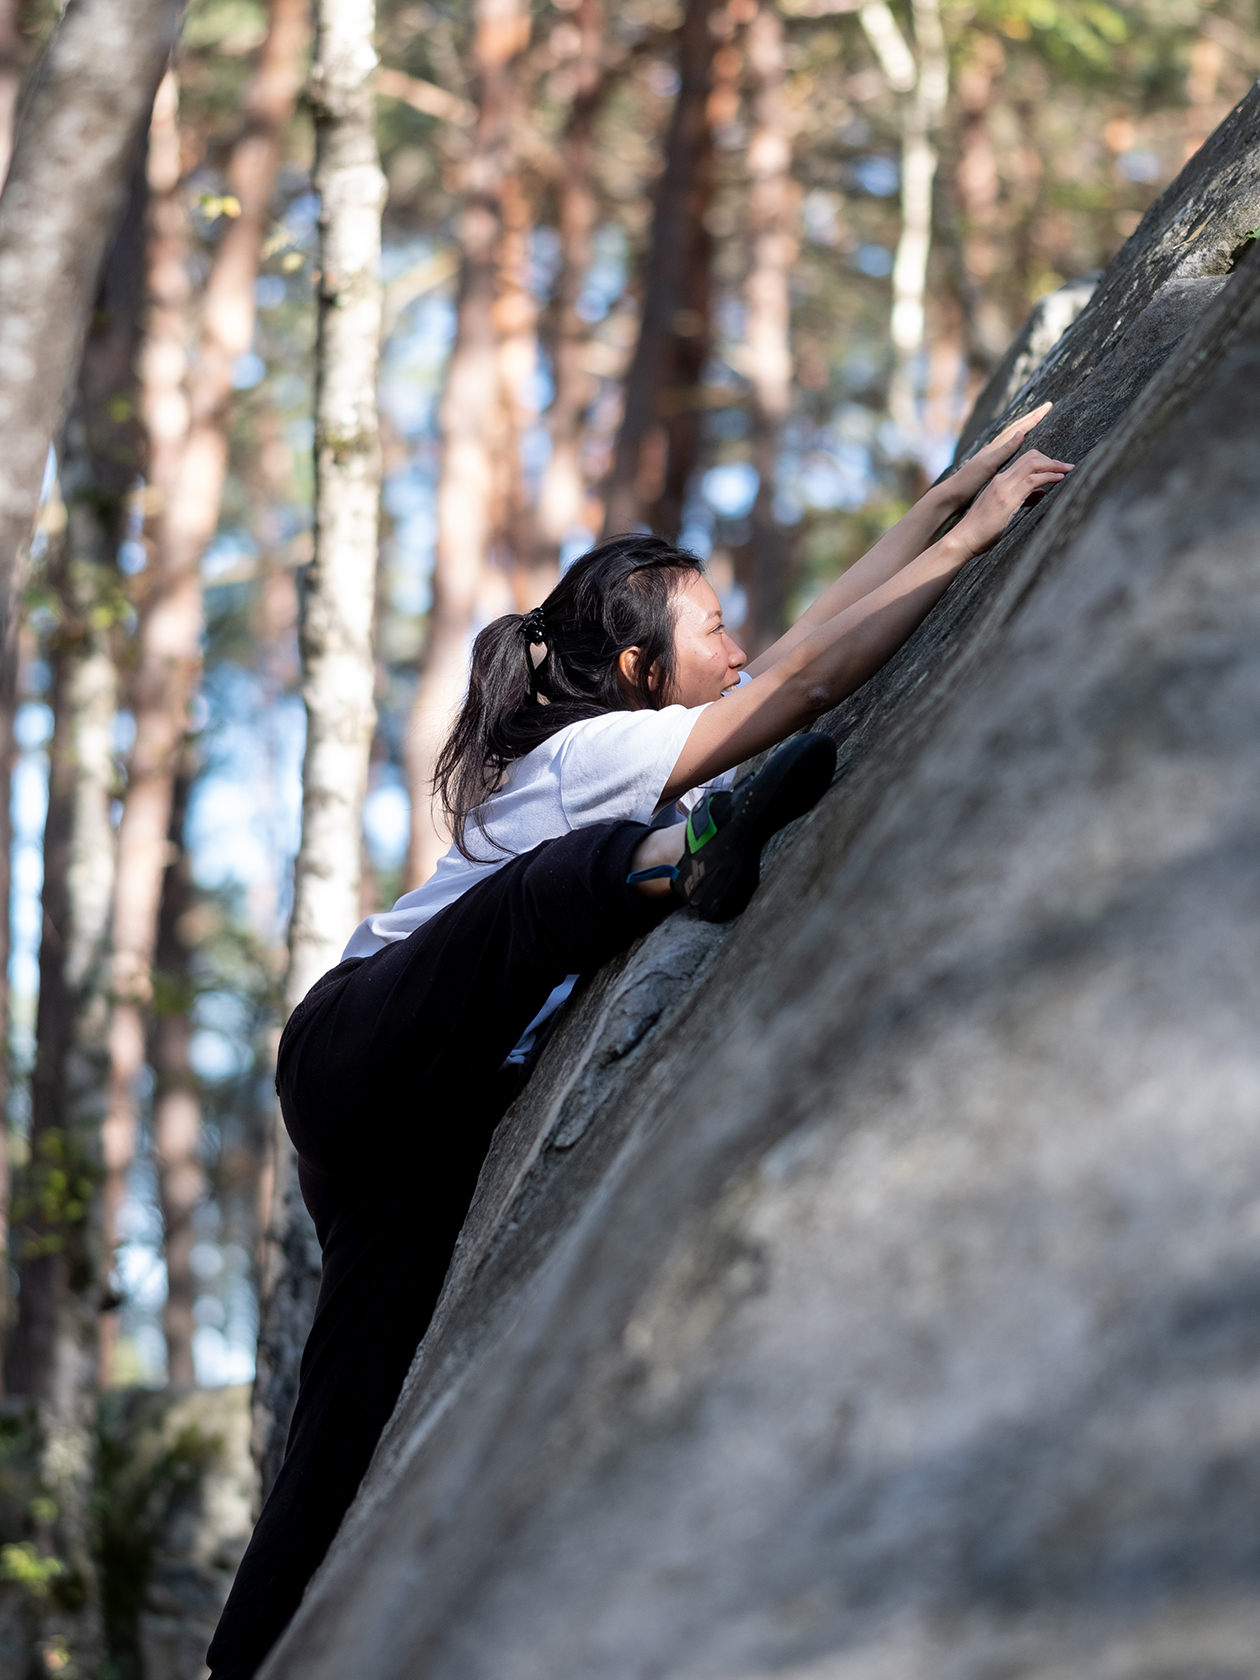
(976,187)
(57,1224)
(11,61)
(656,447)
(176,1101)
(338,668)
(475,433)
(67,182)
(516,320)
(189,487)
(562,497)
(764,566)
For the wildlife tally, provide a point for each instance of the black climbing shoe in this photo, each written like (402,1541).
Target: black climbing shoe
(721,862)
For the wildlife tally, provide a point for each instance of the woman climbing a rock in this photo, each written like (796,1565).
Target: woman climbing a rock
(584,723)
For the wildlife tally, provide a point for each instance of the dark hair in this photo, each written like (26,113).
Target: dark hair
(617,596)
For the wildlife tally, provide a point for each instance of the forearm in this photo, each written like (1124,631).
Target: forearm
(895,550)
(824,668)
(834,660)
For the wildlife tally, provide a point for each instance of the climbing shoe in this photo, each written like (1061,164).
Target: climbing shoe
(721,862)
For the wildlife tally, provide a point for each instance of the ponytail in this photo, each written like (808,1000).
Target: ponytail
(533,674)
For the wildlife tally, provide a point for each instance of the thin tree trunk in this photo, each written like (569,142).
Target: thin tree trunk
(656,447)
(11,63)
(171,613)
(10,81)
(516,321)
(57,1225)
(772,222)
(976,194)
(66,186)
(336,640)
(176,1100)
(475,436)
(562,497)
(921,116)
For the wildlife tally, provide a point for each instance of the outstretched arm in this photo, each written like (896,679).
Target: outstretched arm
(828,662)
(907,539)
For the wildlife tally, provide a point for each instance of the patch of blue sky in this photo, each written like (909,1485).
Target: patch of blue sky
(223,1012)
(387,819)
(606,277)
(852,423)
(729,315)
(215,1057)
(879,176)
(270,291)
(133,557)
(731,489)
(302,216)
(408,492)
(228,552)
(248,370)
(245,812)
(538,387)
(835,480)
(28,807)
(400,259)
(545,257)
(409,560)
(141,1271)
(577,543)
(535,450)
(873,260)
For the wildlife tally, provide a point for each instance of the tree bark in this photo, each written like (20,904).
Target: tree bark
(338,667)
(67,182)
(187,490)
(11,65)
(57,1226)
(764,565)
(562,497)
(176,1098)
(10,81)
(475,433)
(516,322)
(656,446)
(65,187)
(976,186)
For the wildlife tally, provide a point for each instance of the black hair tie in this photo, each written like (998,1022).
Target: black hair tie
(535,626)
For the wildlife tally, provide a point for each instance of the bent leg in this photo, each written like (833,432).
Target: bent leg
(390,1082)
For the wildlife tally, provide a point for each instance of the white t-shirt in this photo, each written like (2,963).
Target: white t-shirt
(608,768)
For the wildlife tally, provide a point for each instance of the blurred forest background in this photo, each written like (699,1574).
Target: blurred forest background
(727,269)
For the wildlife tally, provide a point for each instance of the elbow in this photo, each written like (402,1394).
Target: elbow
(818,699)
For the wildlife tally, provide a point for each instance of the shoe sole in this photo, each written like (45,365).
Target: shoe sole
(789,784)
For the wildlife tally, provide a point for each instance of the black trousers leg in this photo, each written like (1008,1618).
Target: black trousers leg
(390,1082)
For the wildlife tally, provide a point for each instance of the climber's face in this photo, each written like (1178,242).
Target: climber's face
(706,659)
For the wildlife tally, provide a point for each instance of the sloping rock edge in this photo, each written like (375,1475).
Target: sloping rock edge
(588,1114)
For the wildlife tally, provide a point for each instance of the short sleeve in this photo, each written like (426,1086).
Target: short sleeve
(615,767)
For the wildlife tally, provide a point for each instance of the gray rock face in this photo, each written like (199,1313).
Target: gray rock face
(1051,317)
(870,1291)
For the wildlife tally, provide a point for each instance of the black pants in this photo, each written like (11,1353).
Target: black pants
(390,1086)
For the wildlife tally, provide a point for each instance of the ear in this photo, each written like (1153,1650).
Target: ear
(628,668)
